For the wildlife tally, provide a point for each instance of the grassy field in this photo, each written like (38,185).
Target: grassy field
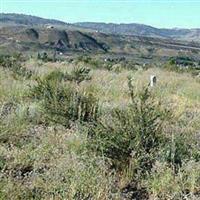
(70,133)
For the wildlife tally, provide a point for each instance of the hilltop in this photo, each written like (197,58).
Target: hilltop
(21,19)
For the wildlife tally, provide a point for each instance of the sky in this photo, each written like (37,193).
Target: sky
(158,13)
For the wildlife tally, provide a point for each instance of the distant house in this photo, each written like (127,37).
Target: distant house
(49,26)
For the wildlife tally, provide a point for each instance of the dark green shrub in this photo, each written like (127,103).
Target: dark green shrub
(47,58)
(181,148)
(2,162)
(90,61)
(39,56)
(181,64)
(181,60)
(44,57)
(19,71)
(171,66)
(79,74)
(135,131)
(64,104)
(172,61)
(14,64)
(85,59)
(56,76)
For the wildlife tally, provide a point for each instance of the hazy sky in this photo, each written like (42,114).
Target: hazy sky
(159,13)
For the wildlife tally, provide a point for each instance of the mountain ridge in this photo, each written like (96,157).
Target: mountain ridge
(24,19)
(108,28)
(143,30)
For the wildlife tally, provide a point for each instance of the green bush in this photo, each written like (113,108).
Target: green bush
(44,57)
(162,183)
(171,66)
(79,74)
(55,76)
(95,63)
(62,104)
(54,56)
(135,131)
(2,162)
(182,64)
(14,64)
(180,148)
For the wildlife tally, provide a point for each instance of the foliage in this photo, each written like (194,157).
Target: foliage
(79,74)
(55,75)
(59,144)
(162,183)
(132,132)
(182,64)
(62,104)
(14,64)
(178,150)
(185,61)
(46,58)
(43,57)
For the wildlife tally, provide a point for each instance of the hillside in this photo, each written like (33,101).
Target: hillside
(11,19)
(33,39)
(143,30)
(29,34)
(29,38)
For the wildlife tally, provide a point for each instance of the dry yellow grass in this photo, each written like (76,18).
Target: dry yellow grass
(60,162)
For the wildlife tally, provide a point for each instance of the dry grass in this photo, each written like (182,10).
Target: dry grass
(52,162)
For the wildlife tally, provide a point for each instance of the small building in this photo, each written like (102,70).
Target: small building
(49,26)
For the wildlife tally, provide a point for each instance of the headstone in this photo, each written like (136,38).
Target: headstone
(152,80)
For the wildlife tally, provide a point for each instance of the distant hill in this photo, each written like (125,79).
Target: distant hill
(34,39)
(142,30)
(40,38)
(27,33)
(11,19)
(21,19)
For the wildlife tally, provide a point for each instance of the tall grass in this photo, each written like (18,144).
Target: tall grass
(103,137)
